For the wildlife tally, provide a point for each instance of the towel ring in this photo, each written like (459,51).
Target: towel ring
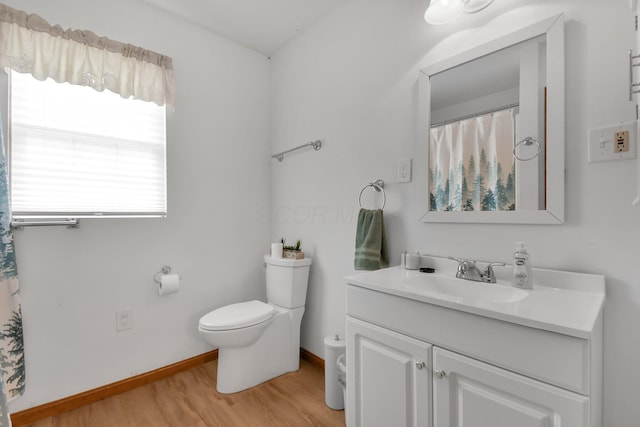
(527,141)
(377,185)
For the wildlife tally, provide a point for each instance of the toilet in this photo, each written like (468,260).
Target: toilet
(259,341)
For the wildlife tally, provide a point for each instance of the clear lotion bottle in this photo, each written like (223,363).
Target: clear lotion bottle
(522,275)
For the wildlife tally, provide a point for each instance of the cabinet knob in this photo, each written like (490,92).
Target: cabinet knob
(420,364)
(440,374)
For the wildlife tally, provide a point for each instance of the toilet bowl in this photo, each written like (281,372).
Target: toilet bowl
(258,341)
(236,325)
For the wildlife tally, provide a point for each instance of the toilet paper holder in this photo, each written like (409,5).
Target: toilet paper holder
(165,270)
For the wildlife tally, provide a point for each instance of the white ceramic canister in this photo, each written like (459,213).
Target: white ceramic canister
(412,260)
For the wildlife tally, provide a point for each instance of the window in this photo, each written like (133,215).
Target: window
(77,152)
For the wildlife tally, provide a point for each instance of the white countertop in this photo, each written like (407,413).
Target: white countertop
(562,302)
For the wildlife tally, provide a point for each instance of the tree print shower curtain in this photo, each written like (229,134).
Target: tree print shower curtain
(11,343)
(471,165)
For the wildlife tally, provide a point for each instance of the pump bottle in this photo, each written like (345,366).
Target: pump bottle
(522,275)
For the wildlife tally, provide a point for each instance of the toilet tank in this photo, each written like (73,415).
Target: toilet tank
(287,281)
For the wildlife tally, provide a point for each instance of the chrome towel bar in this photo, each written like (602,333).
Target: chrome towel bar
(315,144)
(18,224)
(632,84)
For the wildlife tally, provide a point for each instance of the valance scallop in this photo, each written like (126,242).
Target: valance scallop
(29,44)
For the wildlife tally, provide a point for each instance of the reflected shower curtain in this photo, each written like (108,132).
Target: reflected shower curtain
(471,165)
(11,343)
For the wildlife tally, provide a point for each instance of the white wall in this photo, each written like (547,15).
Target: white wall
(73,281)
(351,81)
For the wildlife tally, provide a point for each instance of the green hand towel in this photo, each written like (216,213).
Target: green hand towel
(371,245)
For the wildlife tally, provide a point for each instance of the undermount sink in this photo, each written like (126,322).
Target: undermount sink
(464,291)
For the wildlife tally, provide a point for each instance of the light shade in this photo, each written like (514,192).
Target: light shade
(443,11)
(473,6)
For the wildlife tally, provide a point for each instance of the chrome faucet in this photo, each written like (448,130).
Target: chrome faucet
(468,270)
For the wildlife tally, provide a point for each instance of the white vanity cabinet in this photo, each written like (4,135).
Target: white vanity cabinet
(391,379)
(469,393)
(392,376)
(416,358)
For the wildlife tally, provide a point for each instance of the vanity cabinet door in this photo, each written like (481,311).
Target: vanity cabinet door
(388,378)
(469,393)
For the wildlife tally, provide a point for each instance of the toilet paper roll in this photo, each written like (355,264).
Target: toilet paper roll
(276,250)
(169,284)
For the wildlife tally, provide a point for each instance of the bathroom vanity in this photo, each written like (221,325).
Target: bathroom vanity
(433,350)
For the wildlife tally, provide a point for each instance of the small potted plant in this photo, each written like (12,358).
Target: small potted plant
(292,252)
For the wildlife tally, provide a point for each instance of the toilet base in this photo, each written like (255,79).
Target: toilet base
(275,353)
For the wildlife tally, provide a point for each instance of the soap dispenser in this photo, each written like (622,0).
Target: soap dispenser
(522,274)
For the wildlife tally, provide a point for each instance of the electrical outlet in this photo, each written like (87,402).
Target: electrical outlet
(124,320)
(615,142)
(621,144)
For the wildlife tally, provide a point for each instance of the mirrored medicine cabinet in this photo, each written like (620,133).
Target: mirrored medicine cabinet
(491,146)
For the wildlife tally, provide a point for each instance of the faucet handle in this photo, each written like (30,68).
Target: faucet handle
(462,261)
(460,265)
(488,271)
(465,268)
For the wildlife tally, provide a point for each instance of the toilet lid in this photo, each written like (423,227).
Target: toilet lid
(236,316)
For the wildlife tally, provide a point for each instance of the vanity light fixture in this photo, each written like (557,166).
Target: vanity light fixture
(444,11)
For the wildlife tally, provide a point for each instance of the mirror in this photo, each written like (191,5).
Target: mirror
(494,125)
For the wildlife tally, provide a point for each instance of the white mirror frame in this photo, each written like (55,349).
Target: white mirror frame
(555,167)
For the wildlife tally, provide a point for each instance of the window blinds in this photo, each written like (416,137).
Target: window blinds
(82,153)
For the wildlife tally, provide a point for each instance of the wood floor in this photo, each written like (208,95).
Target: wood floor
(189,399)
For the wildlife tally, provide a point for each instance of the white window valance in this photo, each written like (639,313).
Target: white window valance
(29,44)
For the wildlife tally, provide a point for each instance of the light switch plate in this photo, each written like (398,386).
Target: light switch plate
(403,170)
(605,143)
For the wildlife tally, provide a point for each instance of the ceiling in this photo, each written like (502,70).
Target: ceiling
(262,25)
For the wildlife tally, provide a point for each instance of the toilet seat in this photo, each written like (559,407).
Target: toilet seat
(237,316)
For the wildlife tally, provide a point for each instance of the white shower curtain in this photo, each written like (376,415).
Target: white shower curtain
(471,166)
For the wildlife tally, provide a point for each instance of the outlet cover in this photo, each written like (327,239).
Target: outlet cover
(124,320)
(621,141)
(615,142)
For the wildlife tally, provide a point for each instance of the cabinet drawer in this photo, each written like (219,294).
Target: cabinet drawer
(550,357)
